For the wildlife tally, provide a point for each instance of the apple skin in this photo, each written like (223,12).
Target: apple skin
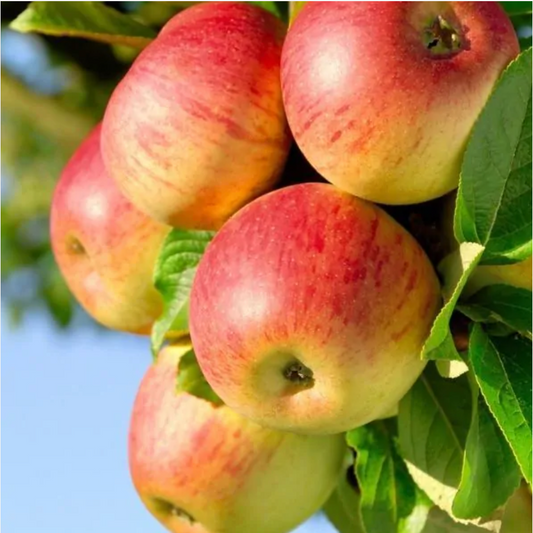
(517,517)
(105,248)
(314,276)
(516,274)
(196,129)
(226,472)
(376,112)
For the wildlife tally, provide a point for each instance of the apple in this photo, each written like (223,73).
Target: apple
(203,468)
(517,517)
(196,129)
(381,96)
(105,248)
(516,274)
(309,310)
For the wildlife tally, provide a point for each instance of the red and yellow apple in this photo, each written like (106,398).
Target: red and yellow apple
(202,468)
(196,128)
(106,248)
(309,310)
(381,96)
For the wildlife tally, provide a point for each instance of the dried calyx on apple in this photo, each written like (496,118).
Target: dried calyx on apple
(74,246)
(442,38)
(297,374)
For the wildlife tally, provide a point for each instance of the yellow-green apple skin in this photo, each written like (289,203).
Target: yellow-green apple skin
(201,468)
(309,310)
(381,96)
(516,274)
(196,128)
(105,247)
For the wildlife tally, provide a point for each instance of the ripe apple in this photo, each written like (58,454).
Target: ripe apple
(196,128)
(381,96)
(309,310)
(203,468)
(105,248)
(516,274)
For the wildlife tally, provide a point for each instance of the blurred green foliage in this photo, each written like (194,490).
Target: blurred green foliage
(53,92)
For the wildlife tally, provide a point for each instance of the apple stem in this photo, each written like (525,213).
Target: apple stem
(298,374)
(441,38)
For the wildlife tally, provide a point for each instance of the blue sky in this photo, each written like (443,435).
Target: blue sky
(66,401)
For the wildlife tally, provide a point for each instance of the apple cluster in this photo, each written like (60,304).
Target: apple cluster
(310,306)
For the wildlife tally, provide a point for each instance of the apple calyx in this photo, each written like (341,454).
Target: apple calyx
(441,38)
(181,514)
(75,247)
(299,375)
(166,507)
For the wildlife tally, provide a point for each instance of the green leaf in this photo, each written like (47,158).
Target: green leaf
(191,380)
(180,324)
(90,20)
(417,521)
(158,13)
(173,277)
(446,350)
(497,329)
(501,303)
(294,10)
(451,369)
(433,422)
(456,268)
(388,494)
(490,473)
(278,9)
(517,8)
(440,522)
(342,508)
(502,368)
(494,197)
